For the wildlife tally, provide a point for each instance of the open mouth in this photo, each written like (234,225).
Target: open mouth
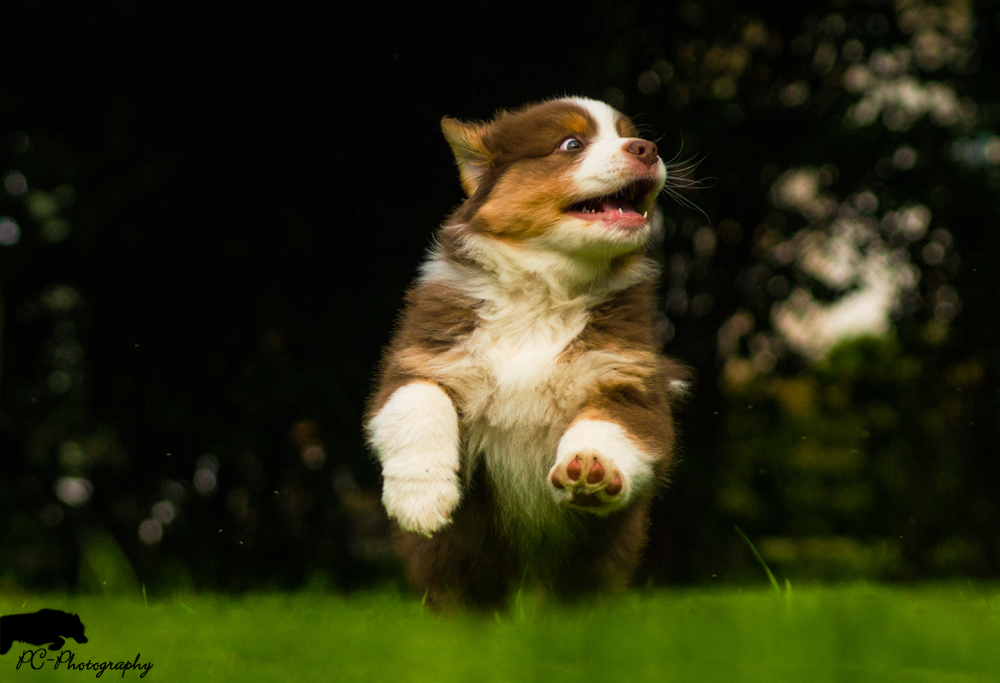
(627,206)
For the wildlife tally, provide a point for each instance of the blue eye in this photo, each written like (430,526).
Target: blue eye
(569,144)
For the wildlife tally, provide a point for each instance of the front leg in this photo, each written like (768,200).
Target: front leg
(415,435)
(599,467)
(613,452)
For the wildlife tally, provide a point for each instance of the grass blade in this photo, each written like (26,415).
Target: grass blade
(774,581)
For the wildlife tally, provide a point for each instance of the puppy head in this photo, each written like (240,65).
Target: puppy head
(568,175)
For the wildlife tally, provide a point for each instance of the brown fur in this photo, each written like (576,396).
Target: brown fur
(517,188)
(625,127)
(626,320)
(435,318)
(519,200)
(473,562)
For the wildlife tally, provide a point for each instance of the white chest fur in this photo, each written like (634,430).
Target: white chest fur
(518,388)
(518,385)
(524,392)
(515,353)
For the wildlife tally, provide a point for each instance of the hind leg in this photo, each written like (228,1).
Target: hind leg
(466,564)
(606,557)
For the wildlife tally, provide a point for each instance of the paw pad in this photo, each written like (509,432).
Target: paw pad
(587,480)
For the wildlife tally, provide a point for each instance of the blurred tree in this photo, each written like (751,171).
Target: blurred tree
(193,293)
(859,465)
(43,366)
(855,152)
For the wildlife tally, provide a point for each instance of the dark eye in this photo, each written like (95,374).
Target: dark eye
(569,144)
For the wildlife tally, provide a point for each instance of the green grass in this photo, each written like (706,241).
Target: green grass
(849,633)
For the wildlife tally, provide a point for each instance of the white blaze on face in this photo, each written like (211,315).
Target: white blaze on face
(604,169)
(606,161)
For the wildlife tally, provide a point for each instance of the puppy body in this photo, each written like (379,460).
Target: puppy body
(522,417)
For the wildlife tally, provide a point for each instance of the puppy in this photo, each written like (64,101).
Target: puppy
(522,415)
(44,626)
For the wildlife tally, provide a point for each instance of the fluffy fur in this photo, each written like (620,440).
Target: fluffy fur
(522,415)
(416,433)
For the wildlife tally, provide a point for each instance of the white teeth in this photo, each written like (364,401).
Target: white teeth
(620,210)
(644,213)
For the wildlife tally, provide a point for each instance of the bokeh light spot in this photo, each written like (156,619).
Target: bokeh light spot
(704,242)
(15,183)
(205,481)
(150,531)
(60,299)
(795,94)
(648,82)
(42,205)
(73,491)
(853,50)
(10,232)
(71,455)
(677,301)
(55,230)
(313,456)
(933,253)
(904,158)
(164,512)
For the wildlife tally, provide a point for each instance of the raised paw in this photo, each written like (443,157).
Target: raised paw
(422,506)
(587,480)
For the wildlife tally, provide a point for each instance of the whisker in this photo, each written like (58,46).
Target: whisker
(684,177)
(690,183)
(674,158)
(686,166)
(679,170)
(684,201)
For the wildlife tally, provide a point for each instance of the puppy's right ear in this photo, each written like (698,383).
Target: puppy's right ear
(468,144)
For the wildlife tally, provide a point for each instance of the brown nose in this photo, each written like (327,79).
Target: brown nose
(643,149)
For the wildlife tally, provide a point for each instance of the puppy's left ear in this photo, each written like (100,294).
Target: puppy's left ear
(468,144)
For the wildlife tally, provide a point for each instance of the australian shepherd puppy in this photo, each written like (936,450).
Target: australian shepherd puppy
(523,413)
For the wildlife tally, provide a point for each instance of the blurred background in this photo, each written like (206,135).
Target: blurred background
(209,217)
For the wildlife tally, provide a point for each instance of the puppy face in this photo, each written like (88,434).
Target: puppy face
(568,175)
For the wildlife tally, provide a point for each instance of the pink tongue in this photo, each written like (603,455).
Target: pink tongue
(615,204)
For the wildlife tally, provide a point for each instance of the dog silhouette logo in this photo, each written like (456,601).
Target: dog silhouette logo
(41,627)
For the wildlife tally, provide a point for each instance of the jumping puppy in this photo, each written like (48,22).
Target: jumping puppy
(523,413)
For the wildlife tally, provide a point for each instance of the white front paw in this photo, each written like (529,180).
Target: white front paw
(599,467)
(421,505)
(415,435)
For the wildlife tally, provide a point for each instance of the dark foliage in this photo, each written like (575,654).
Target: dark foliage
(221,210)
